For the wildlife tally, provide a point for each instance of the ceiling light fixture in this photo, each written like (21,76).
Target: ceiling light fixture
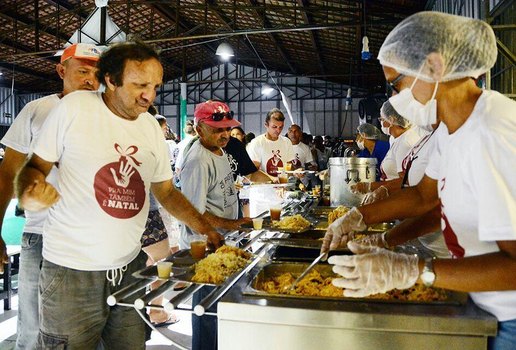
(225,51)
(267,89)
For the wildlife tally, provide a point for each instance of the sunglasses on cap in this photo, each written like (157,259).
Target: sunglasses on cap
(218,116)
(391,85)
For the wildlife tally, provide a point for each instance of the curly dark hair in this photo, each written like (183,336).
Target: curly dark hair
(112,61)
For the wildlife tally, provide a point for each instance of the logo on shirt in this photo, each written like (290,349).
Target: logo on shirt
(450,238)
(296,162)
(227,188)
(273,163)
(119,188)
(232,163)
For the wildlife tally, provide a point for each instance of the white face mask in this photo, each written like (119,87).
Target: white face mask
(385,129)
(360,144)
(423,115)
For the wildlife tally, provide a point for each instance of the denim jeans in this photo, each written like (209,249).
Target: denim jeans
(506,337)
(28,276)
(204,328)
(74,313)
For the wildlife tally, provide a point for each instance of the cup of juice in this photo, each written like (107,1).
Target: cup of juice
(257,223)
(198,247)
(275,212)
(164,269)
(283,178)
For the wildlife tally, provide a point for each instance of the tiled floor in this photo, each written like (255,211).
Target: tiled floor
(180,332)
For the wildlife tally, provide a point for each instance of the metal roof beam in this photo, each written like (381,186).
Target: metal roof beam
(506,52)
(12,66)
(33,24)
(313,38)
(279,46)
(214,8)
(500,8)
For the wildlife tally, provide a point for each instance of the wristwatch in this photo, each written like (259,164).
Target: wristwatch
(428,274)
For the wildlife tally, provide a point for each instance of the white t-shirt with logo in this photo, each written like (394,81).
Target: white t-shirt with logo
(20,137)
(392,164)
(475,170)
(271,154)
(106,167)
(302,155)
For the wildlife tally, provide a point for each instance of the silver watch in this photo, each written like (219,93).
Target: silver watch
(428,274)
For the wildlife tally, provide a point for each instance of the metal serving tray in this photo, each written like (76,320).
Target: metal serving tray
(183,268)
(296,268)
(267,225)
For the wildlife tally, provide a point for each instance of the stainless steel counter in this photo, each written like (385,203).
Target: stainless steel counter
(247,322)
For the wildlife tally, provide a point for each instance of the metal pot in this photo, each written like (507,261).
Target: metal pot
(346,171)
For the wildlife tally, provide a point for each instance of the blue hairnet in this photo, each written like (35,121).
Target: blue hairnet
(468,46)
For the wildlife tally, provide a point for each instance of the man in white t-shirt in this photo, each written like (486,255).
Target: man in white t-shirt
(470,173)
(303,156)
(271,151)
(77,69)
(111,154)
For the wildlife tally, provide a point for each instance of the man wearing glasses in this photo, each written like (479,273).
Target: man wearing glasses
(207,181)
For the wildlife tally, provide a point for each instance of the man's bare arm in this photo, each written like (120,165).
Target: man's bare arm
(9,167)
(487,272)
(414,227)
(179,206)
(227,224)
(407,203)
(33,192)
(259,176)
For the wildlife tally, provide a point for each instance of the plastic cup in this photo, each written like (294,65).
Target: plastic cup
(283,178)
(257,223)
(164,269)
(275,212)
(198,247)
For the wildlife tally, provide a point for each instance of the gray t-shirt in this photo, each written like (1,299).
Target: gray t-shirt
(207,182)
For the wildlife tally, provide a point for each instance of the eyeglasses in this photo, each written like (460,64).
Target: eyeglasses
(383,119)
(391,85)
(218,116)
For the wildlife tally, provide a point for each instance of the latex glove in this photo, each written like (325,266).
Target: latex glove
(373,270)
(373,240)
(341,230)
(360,188)
(377,195)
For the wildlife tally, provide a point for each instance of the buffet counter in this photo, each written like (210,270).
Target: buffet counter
(251,322)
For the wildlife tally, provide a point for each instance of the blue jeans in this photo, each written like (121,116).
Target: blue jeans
(28,276)
(74,313)
(506,337)
(204,328)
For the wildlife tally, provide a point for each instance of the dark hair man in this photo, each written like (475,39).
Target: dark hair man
(110,154)
(271,151)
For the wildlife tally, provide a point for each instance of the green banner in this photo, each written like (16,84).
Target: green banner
(182,110)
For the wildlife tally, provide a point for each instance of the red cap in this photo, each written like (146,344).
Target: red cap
(204,112)
(81,51)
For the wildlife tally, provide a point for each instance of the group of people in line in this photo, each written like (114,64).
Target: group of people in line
(91,168)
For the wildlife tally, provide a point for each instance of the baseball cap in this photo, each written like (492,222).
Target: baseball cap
(81,51)
(216,114)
